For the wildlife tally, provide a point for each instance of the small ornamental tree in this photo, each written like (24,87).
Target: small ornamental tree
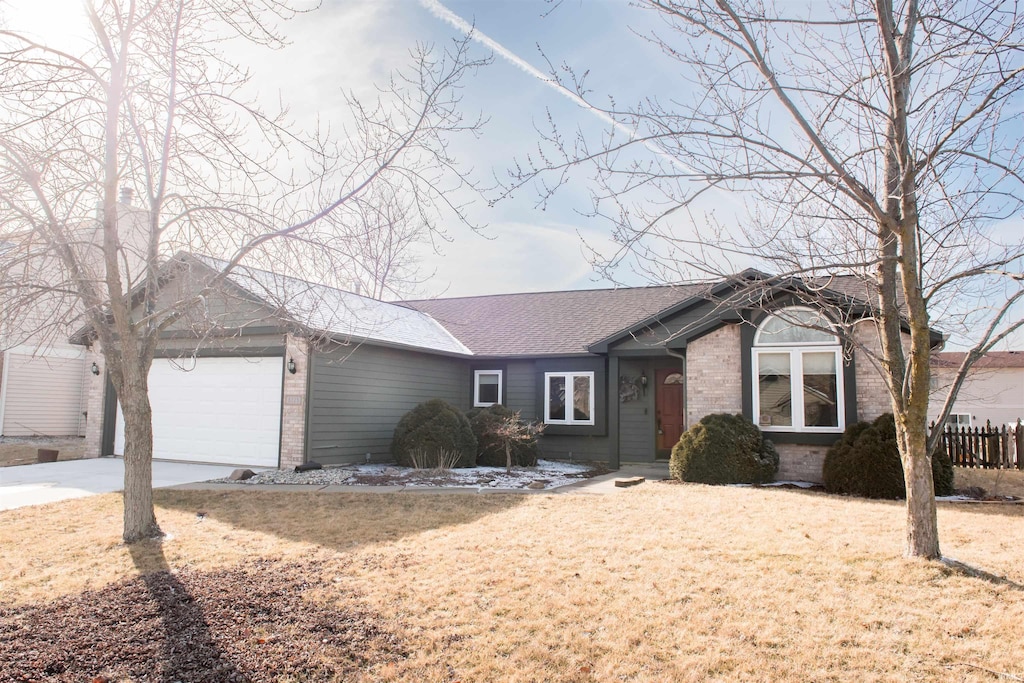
(512,432)
(497,441)
(724,449)
(434,434)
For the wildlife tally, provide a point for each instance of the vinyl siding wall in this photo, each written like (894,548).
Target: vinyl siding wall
(358,395)
(43,394)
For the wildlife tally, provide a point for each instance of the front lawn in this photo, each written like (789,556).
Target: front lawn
(662,582)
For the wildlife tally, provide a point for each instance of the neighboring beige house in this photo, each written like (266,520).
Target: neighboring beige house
(43,377)
(992,392)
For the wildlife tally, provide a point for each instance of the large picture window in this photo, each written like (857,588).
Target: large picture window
(569,398)
(798,379)
(486,388)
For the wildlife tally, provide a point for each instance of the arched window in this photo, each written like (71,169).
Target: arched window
(797,373)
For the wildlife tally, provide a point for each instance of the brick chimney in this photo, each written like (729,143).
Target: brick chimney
(126,195)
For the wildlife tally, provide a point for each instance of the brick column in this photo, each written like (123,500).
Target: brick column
(96,394)
(872,395)
(714,379)
(293,410)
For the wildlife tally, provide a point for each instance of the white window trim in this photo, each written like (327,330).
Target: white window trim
(781,314)
(476,387)
(569,381)
(796,387)
(970,420)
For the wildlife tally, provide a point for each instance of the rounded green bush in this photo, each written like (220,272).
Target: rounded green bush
(490,451)
(724,449)
(866,462)
(434,434)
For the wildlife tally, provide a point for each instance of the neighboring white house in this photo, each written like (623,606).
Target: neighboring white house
(42,375)
(992,392)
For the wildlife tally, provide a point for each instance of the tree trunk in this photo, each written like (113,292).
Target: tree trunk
(139,516)
(922,523)
(508,457)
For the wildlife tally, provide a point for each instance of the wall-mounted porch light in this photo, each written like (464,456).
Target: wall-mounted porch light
(643,381)
(291,365)
(95,369)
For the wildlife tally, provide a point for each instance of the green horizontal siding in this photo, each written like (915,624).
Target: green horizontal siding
(357,396)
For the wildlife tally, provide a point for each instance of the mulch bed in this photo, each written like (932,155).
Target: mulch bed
(250,623)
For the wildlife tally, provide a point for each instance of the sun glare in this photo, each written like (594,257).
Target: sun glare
(55,22)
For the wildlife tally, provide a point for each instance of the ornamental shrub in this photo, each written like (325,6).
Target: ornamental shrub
(866,462)
(490,447)
(434,434)
(724,449)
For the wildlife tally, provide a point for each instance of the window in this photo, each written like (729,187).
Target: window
(797,369)
(569,398)
(958,420)
(486,388)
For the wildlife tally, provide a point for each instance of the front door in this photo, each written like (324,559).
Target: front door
(668,408)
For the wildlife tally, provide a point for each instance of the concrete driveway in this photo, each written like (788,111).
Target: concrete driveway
(36,484)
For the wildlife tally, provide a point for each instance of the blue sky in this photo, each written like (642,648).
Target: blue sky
(354,44)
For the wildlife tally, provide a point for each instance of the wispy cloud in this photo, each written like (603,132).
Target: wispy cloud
(457,22)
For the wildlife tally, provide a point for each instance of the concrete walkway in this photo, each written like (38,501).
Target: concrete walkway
(41,483)
(603,484)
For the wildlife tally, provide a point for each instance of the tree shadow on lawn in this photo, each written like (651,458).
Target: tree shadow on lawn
(257,621)
(338,521)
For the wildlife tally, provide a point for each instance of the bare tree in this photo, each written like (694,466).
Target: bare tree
(870,138)
(151,109)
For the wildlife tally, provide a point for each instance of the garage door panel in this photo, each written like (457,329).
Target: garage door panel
(222,410)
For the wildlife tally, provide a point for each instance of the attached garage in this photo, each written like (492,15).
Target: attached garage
(223,410)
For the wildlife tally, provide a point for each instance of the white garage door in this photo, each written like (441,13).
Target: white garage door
(221,410)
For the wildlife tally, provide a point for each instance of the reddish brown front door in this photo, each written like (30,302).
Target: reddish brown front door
(668,407)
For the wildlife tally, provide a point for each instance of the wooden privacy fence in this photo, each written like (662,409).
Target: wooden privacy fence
(985,447)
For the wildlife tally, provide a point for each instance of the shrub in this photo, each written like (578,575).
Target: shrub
(866,462)
(724,449)
(486,423)
(434,434)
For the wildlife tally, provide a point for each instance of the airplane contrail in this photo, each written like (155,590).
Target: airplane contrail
(454,20)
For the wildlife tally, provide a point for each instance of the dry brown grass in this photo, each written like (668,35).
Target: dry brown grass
(656,583)
(996,482)
(24,453)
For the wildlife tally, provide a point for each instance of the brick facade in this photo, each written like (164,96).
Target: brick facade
(798,462)
(293,409)
(714,380)
(872,395)
(96,392)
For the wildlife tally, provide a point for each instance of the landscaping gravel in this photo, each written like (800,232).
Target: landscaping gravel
(547,474)
(252,623)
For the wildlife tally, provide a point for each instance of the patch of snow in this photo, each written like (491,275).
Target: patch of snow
(798,484)
(553,474)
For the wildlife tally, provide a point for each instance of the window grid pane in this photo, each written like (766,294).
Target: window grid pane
(775,398)
(487,388)
(581,398)
(556,397)
(821,396)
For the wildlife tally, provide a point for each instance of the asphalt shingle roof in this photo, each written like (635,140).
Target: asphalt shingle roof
(549,323)
(991,360)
